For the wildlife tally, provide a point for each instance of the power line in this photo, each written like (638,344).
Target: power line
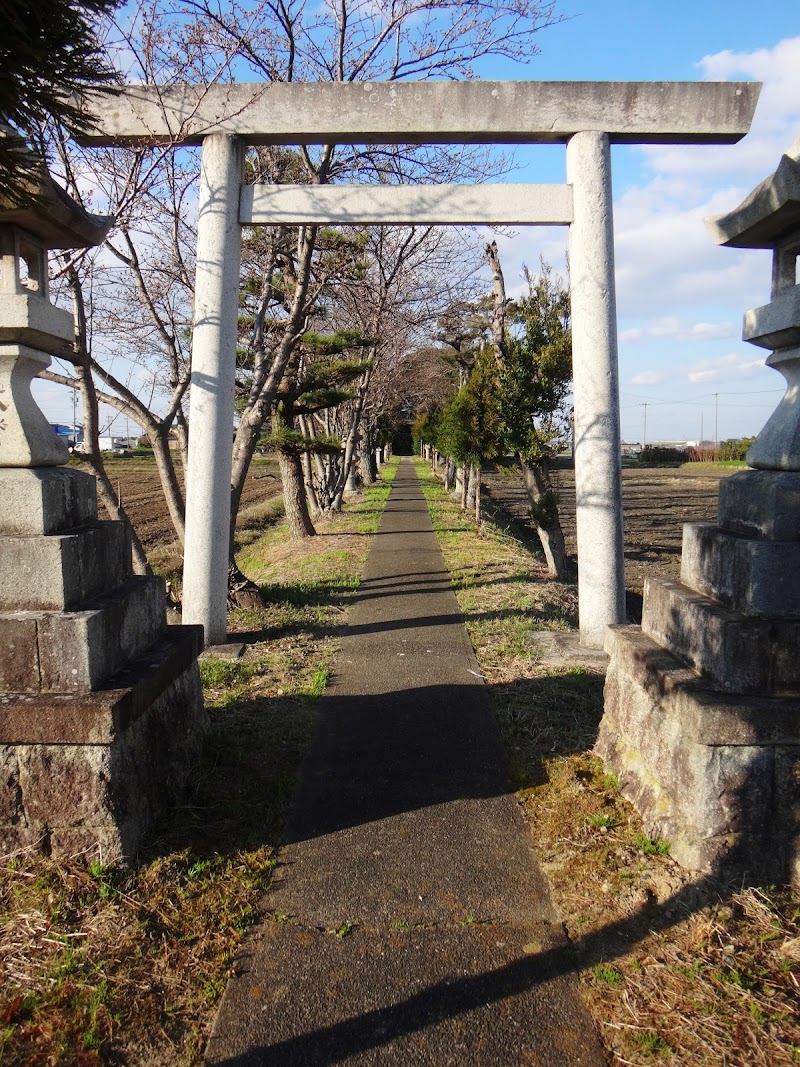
(704,396)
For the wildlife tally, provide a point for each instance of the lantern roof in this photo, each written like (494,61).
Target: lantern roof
(49,213)
(769,213)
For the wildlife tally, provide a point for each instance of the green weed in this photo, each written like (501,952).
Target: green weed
(603,821)
(652,846)
(610,975)
(218,673)
(649,1041)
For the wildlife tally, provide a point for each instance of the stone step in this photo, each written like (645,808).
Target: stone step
(88,774)
(45,500)
(77,651)
(750,575)
(713,773)
(761,504)
(708,716)
(60,572)
(735,652)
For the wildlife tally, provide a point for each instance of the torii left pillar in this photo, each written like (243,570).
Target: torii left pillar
(208,490)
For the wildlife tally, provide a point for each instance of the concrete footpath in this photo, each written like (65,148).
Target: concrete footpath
(408,922)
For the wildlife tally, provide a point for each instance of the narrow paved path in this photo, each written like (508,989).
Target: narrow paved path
(410,921)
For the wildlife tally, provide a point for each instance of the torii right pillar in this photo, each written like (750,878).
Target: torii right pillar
(702,704)
(598,473)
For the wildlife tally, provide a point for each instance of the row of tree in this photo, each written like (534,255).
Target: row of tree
(515,376)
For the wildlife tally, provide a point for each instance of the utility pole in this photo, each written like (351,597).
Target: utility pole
(644,435)
(701,429)
(716,421)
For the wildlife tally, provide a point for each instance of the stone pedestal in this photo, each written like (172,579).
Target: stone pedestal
(702,703)
(101,713)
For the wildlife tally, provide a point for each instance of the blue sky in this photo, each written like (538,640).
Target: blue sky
(680,298)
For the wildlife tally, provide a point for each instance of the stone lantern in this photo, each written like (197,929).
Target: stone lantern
(702,702)
(101,711)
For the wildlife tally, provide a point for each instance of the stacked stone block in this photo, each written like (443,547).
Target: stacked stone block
(702,703)
(100,704)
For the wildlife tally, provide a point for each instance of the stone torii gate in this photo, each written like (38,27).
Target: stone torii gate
(586,116)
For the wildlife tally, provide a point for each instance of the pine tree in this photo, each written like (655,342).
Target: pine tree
(316,380)
(48,50)
(535,380)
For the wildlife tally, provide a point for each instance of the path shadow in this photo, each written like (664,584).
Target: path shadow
(457,996)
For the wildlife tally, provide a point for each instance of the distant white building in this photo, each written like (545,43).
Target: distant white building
(108,443)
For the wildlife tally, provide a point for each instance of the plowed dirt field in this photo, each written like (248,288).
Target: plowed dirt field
(656,501)
(138,483)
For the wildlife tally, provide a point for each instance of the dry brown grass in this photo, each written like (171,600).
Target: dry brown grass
(675,969)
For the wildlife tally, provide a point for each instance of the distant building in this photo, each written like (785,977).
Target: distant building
(680,446)
(73,435)
(108,443)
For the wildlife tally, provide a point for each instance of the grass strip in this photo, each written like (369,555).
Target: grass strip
(105,965)
(674,971)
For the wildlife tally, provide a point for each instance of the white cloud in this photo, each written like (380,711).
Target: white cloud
(652,377)
(666,327)
(634,334)
(666,260)
(732,365)
(710,331)
(775,126)
(676,329)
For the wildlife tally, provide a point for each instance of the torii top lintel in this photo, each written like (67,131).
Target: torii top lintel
(426,112)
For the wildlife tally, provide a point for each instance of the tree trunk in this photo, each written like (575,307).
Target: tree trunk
(470,479)
(294,496)
(499,304)
(464,487)
(477,494)
(242,592)
(308,479)
(458,481)
(264,391)
(544,512)
(449,475)
(365,459)
(176,505)
(351,485)
(91,427)
(113,506)
(347,482)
